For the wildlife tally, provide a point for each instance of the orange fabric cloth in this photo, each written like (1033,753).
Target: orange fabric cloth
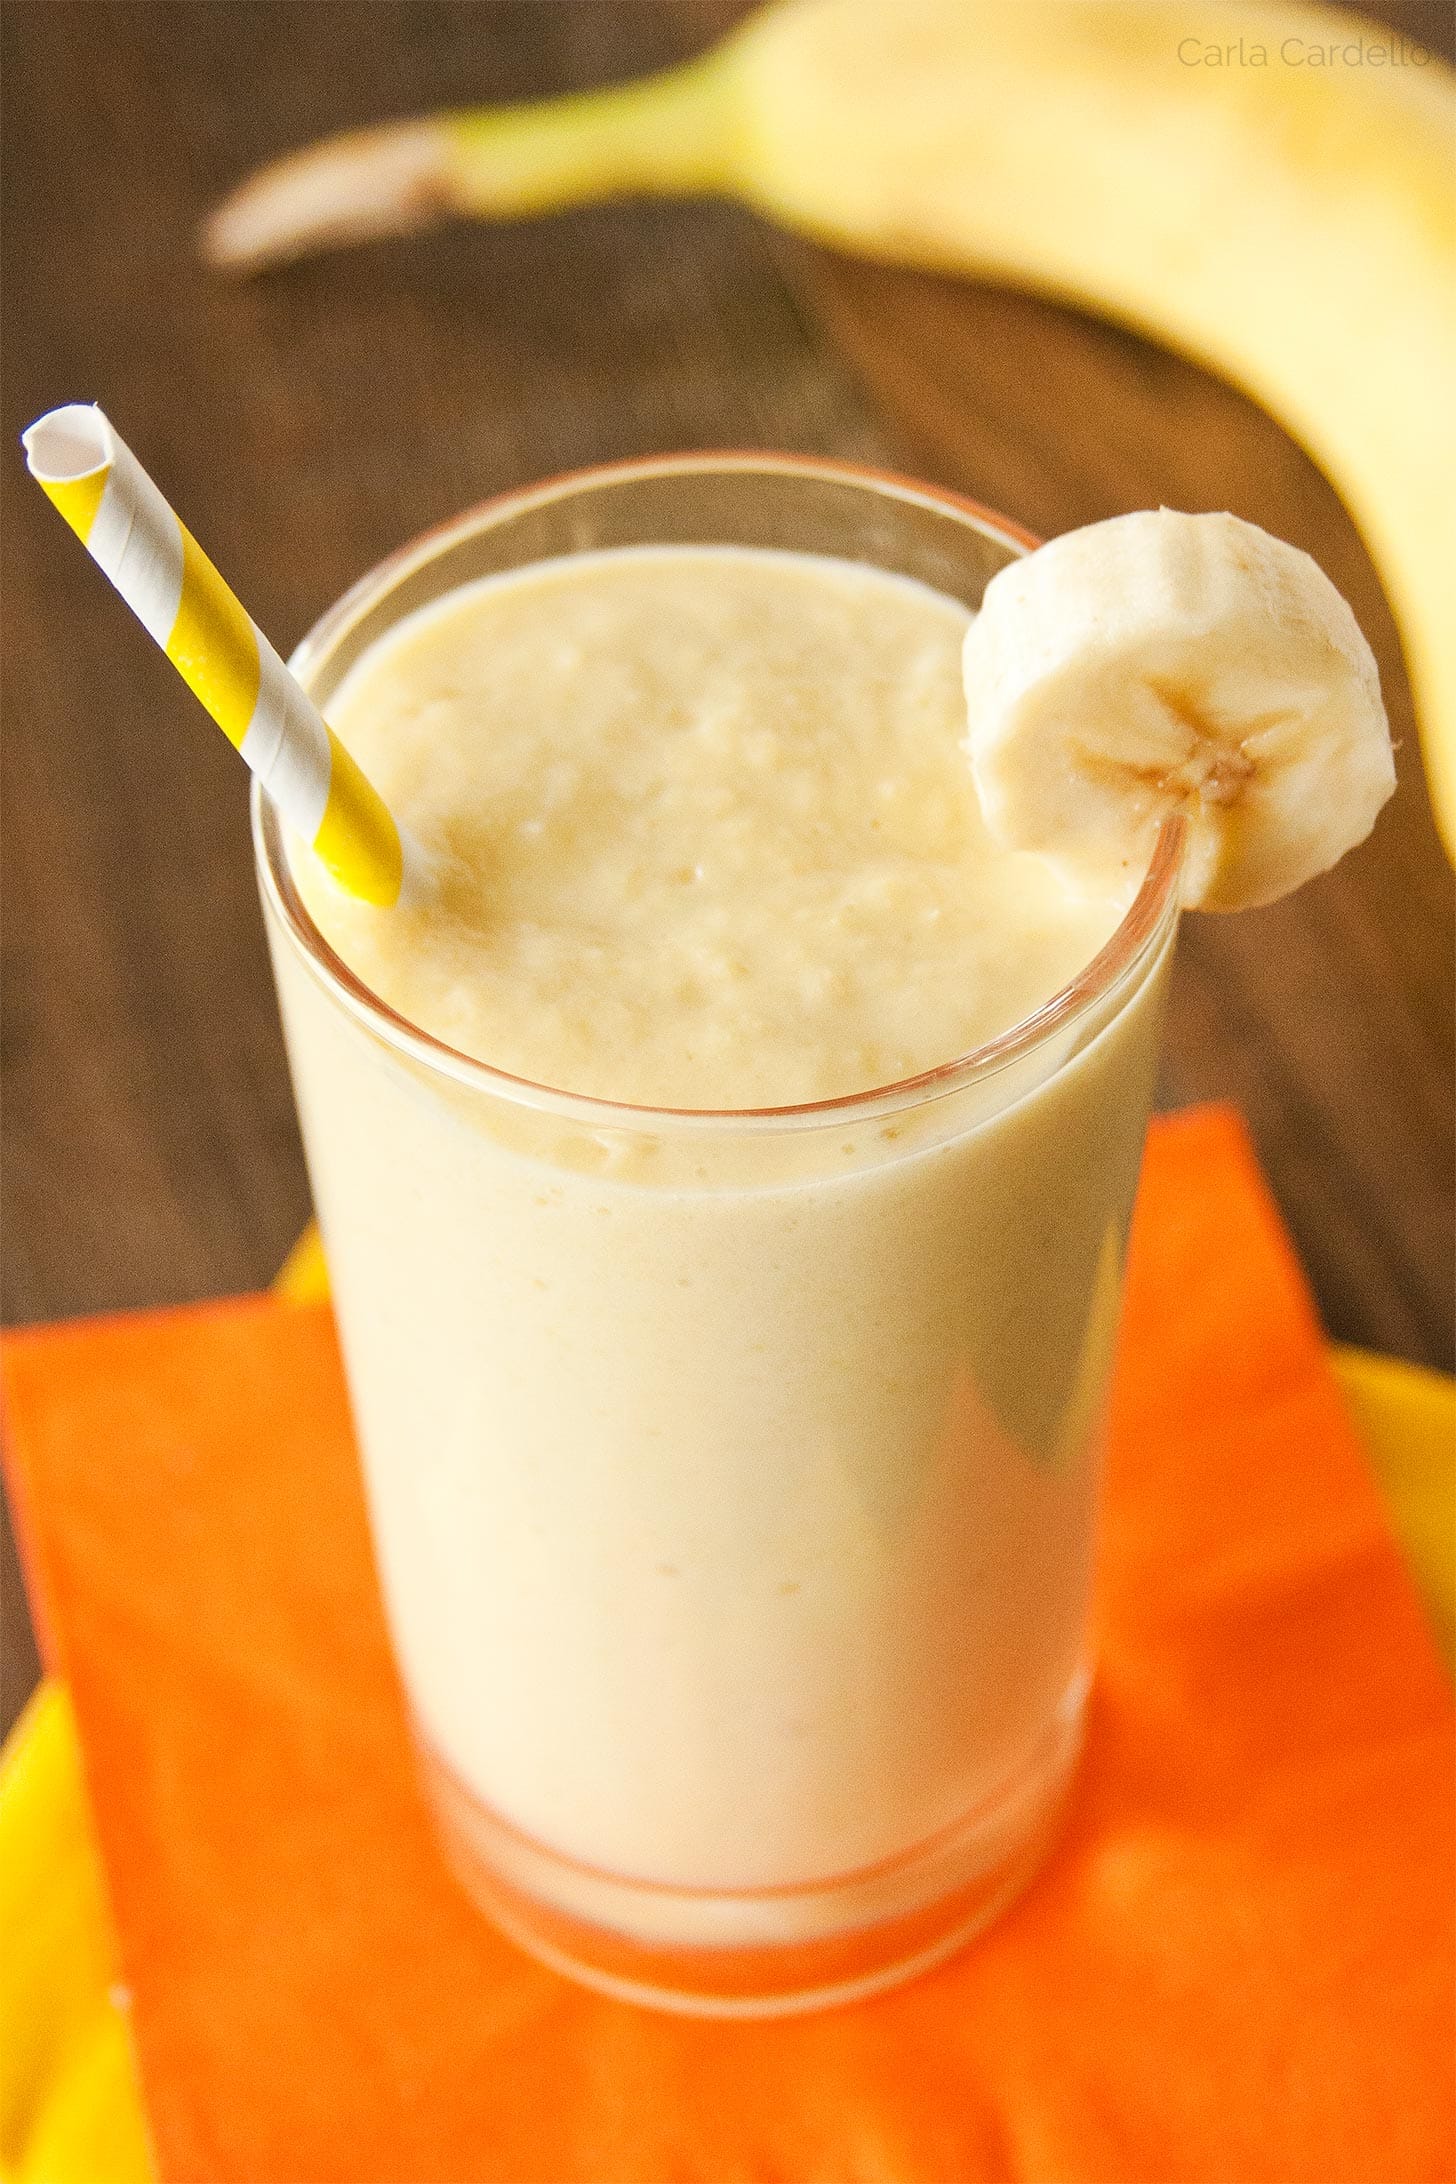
(1237,1967)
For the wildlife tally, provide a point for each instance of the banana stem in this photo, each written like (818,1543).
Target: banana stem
(670,133)
(665,134)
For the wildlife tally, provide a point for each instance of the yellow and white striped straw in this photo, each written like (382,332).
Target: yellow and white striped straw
(128,528)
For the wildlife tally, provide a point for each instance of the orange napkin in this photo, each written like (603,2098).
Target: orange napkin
(1238,1966)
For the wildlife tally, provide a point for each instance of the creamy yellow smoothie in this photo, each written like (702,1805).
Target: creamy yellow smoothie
(732,1480)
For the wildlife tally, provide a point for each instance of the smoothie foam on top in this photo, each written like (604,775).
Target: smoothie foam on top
(710,831)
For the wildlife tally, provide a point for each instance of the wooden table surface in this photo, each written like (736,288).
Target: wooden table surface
(308,422)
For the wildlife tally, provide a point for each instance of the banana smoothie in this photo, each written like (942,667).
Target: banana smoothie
(726,1169)
(750,1544)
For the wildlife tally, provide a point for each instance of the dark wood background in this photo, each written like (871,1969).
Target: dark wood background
(308,422)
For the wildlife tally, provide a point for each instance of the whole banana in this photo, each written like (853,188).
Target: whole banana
(1224,176)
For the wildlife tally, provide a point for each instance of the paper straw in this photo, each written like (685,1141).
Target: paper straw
(129,530)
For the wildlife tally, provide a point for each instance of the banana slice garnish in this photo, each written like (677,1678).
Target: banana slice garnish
(1162,662)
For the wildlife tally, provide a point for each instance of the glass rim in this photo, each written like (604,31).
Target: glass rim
(1119,955)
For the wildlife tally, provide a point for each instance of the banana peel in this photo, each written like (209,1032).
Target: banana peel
(1223,176)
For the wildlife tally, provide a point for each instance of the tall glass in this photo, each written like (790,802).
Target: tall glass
(732,1475)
